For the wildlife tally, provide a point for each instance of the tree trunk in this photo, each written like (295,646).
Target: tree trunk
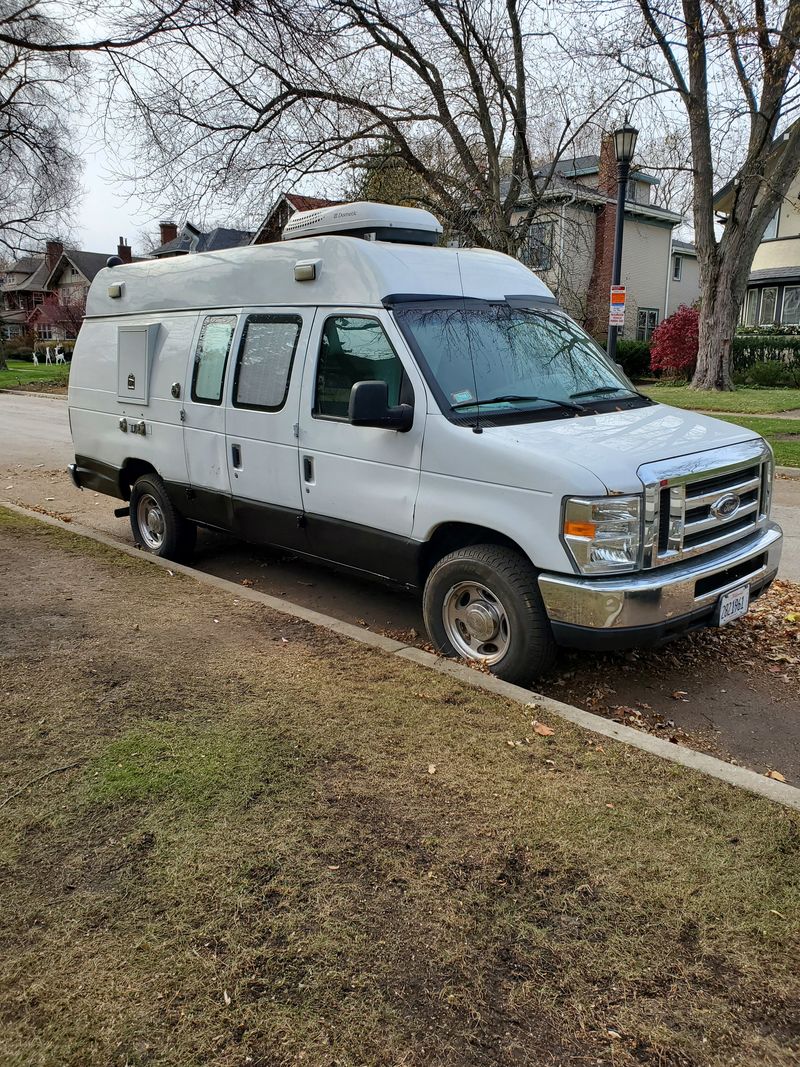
(719,315)
(3,364)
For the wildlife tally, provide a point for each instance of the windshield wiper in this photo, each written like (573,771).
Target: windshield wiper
(604,389)
(513,397)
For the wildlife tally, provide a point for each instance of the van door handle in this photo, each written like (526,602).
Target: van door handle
(236,456)
(308,469)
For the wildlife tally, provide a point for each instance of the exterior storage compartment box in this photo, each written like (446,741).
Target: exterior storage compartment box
(136,347)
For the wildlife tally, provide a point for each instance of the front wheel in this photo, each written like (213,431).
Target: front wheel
(483,603)
(157,527)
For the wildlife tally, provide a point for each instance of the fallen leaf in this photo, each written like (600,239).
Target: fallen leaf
(776,775)
(334,866)
(680,694)
(247,581)
(542,730)
(431,768)
(226,997)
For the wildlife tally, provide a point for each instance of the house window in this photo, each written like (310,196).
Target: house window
(536,250)
(631,190)
(44,331)
(646,322)
(790,312)
(771,231)
(748,315)
(38,298)
(769,303)
(677,268)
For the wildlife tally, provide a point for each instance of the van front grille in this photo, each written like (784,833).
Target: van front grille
(700,506)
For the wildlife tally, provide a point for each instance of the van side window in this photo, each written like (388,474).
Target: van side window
(265,360)
(353,349)
(211,357)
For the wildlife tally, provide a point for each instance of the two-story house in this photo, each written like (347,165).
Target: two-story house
(773,288)
(44,296)
(571,244)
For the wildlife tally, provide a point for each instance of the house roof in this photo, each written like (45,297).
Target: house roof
(684,247)
(190,239)
(774,274)
(724,191)
(25,265)
(88,263)
(308,203)
(35,281)
(578,166)
(565,187)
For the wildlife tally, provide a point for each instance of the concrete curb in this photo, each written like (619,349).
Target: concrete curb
(787,472)
(34,392)
(741,777)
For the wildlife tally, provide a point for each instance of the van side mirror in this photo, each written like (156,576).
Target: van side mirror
(369,406)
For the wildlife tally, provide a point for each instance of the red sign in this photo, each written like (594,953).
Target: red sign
(616,309)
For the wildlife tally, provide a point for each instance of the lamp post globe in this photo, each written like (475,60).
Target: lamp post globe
(624,147)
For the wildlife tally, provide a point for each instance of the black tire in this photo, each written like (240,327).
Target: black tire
(507,574)
(169,535)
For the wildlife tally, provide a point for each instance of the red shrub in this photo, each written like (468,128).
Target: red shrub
(673,346)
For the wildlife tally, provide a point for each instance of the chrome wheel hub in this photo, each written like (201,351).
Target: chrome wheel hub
(476,623)
(150,521)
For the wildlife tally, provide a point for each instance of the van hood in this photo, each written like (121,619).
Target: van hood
(613,445)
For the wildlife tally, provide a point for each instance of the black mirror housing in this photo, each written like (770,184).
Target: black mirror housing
(369,406)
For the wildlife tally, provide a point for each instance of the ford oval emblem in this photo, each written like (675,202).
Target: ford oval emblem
(726,506)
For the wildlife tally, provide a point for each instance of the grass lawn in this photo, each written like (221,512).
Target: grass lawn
(264,844)
(27,375)
(751,401)
(782,434)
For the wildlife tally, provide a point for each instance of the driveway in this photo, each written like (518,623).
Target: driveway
(731,699)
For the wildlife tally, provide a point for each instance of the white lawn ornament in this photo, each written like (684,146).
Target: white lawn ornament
(60,354)
(47,358)
(35,358)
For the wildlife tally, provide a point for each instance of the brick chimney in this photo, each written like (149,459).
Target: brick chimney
(55,250)
(124,251)
(169,231)
(598,295)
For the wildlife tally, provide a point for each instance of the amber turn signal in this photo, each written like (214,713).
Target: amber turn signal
(579,529)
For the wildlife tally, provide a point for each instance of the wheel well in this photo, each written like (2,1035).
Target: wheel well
(131,470)
(453,535)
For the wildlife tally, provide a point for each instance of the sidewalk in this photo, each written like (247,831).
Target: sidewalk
(231,837)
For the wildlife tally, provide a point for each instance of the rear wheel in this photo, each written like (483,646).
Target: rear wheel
(157,527)
(483,603)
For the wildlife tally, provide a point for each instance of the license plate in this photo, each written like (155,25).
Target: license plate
(734,604)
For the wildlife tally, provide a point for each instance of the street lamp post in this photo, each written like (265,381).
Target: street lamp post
(624,147)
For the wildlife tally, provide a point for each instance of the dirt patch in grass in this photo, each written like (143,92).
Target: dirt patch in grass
(279,847)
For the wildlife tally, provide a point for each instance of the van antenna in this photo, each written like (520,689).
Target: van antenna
(477,428)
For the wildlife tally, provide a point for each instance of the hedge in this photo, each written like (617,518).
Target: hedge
(766,359)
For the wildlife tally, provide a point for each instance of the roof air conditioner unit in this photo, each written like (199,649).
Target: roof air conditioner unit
(373,222)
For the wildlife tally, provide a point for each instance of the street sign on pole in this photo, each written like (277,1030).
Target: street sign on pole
(616,308)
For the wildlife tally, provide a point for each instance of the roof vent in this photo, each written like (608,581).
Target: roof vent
(373,222)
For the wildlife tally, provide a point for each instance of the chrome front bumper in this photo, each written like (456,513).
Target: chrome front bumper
(650,605)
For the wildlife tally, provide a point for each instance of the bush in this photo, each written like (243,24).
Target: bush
(674,344)
(753,350)
(769,373)
(25,352)
(634,357)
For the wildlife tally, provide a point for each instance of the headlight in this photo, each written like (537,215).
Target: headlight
(603,535)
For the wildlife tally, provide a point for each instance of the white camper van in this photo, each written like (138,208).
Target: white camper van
(424,415)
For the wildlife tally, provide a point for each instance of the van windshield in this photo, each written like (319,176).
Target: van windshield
(507,360)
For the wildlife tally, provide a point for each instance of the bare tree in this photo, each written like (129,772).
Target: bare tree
(39,169)
(44,71)
(474,98)
(731,66)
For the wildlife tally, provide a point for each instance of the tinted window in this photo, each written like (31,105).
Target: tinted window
(353,349)
(265,360)
(211,357)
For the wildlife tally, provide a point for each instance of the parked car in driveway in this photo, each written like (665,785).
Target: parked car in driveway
(428,416)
